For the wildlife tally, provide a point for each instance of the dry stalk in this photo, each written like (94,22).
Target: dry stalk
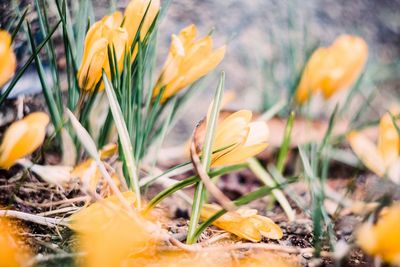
(223,200)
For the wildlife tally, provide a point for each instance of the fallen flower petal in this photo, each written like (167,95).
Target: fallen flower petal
(244,222)
(22,138)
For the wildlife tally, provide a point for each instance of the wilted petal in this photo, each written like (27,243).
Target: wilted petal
(55,175)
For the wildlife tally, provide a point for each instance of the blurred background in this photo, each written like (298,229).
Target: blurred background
(268,42)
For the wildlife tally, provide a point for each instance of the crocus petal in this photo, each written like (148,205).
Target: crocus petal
(22,138)
(134,13)
(334,68)
(244,223)
(367,152)
(188,60)
(104,33)
(383,238)
(8,61)
(239,155)
(388,140)
(55,175)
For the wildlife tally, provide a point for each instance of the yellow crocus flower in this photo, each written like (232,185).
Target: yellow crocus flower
(11,253)
(22,138)
(8,63)
(110,234)
(383,157)
(244,222)
(383,238)
(187,61)
(236,139)
(107,31)
(334,68)
(134,13)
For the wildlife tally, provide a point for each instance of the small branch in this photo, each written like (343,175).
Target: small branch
(241,246)
(50,222)
(223,200)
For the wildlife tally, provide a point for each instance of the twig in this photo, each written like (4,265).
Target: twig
(238,246)
(225,202)
(50,222)
(43,258)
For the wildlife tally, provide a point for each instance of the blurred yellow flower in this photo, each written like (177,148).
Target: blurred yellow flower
(8,63)
(187,61)
(104,33)
(331,69)
(244,222)
(217,258)
(383,238)
(383,158)
(11,254)
(237,138)
(134,13)
(110,234)
(22,138)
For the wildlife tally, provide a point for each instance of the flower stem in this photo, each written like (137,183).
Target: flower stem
(264,176)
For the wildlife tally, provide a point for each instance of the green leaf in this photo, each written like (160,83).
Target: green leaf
(285,146)
(126,145)
(212,121)
(26,65)
(190,181)
(51,103)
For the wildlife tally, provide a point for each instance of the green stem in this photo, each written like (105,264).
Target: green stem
(264,176)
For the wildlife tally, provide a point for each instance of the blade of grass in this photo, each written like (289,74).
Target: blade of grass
(206,159)
(178,169)
(190,181)
(124,138)
(51,103)
(264,176)
(20,21)
(89,145)
(26,65)
(284,149)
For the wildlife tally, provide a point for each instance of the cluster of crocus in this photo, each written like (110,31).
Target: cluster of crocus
(384,157)
(382,239)
(22,138)
(188,60)
(113,31)
(237,138)
(334,68)
(244,222)
(8,62)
